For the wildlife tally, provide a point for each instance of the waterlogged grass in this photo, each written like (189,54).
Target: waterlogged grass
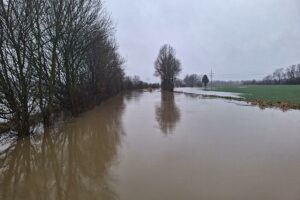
(276,94)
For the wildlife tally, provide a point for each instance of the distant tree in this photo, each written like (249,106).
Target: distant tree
(132,83)
(127,83)
(291,72)
(298,71)
(288,75)
(136,80)
(192,80)
(205,80)
(278,75)
(168,67)
(179,83)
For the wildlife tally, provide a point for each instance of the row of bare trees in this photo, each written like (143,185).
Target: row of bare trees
(193,80)
(55,55)
(289,75)
(132,83)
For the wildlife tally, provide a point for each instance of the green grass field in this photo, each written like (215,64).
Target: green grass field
(273,93)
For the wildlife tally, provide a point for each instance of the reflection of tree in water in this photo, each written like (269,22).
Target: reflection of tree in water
(71,162)
(133,95)
(167,114)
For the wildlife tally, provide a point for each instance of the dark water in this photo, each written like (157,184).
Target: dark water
(152,146)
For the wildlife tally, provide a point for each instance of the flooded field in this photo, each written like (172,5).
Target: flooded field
(159,146)
(201,91)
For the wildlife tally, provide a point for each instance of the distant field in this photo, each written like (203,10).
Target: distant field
(273,93)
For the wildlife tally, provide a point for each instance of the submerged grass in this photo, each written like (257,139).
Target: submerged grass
(284,96)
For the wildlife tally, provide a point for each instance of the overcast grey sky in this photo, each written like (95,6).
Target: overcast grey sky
(238,39)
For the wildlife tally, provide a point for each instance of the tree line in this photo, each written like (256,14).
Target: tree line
(55,55)
(285,76)
(289,75)
(132,83)
(195,80)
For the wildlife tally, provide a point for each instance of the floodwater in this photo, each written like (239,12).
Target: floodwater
(201,91)
(153,146)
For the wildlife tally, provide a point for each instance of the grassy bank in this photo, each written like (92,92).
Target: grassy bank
(285,96)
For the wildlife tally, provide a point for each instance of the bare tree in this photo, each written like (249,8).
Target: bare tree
(289,75)
(55,55)
(278,74)
(105,68)
(48,21)
(168,67)
(16,89)
(291,72)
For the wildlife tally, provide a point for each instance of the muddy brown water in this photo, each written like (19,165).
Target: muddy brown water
(153,146)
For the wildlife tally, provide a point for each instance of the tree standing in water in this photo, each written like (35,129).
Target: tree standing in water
(205,80)
(168,67)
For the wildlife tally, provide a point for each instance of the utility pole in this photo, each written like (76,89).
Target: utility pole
(211,78)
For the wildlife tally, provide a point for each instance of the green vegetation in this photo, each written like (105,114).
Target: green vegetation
(275,94)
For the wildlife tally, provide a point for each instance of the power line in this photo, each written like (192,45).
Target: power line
(211,78)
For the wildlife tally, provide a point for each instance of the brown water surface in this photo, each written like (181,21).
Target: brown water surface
(153,146)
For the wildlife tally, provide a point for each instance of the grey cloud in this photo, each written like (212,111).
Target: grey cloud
(238,39)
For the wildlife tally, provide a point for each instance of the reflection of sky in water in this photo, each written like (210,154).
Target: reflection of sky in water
(205,92)
(218,149)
